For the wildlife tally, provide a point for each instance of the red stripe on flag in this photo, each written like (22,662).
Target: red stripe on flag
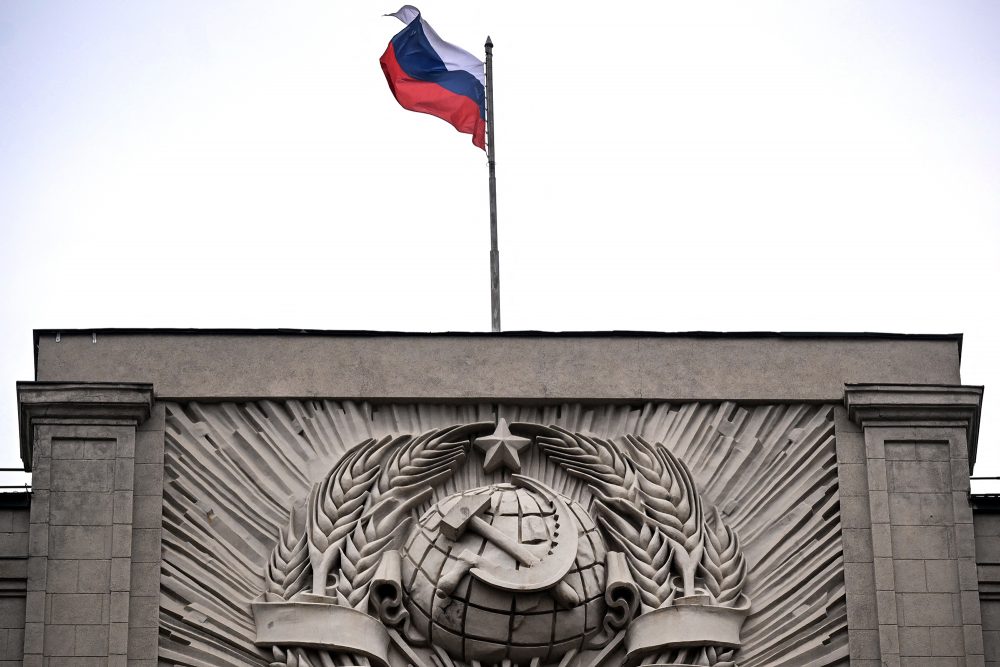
(430,98)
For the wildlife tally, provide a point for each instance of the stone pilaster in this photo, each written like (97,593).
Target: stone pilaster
(919,446)
(79,441)
(147,515)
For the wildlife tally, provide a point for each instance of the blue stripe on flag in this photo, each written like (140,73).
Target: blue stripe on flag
(420,61)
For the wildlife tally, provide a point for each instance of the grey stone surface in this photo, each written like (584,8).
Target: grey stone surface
(81,440)
(738,456)
(916,442)
(895,406)
(517,368)
(14,516)
(81,403)
(145,512)
(987,531)
(120,490)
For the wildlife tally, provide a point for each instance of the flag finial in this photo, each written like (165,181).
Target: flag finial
(489,42)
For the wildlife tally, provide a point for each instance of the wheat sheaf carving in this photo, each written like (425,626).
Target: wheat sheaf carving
(647,503)
(361,509)
(288,567)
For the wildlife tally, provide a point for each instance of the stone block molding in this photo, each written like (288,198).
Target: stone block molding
(79,440)
(92,403)
(916,405)
(919,444)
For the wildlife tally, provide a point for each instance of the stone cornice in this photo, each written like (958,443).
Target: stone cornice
(873,404)
(508,368)
(79,403)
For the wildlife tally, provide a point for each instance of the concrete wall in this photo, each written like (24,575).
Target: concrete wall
(905,481)
(93,544)
(88,560)
(987,525)
(13,576)
(147,503)
(771,368)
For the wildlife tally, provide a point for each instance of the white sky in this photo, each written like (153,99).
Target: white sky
(797,166)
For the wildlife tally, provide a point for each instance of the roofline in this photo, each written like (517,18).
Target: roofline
(360,333)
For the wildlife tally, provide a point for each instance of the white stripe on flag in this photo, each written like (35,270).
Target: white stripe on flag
(454,58)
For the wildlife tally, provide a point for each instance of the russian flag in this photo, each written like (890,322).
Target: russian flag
(429,75)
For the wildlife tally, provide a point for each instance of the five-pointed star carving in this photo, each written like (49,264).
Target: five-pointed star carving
(501,448)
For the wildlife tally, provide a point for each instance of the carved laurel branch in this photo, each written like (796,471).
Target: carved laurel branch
(334,504)
(648,506)
(406,481)
(360,510)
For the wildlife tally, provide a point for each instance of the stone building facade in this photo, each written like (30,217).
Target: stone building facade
(325,498)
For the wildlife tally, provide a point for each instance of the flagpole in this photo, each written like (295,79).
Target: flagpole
(491,159)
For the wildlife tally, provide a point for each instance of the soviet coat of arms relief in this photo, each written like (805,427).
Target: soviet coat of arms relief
(447,549)
(318,532)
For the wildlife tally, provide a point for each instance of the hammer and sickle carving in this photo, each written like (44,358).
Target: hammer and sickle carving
(536,573)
